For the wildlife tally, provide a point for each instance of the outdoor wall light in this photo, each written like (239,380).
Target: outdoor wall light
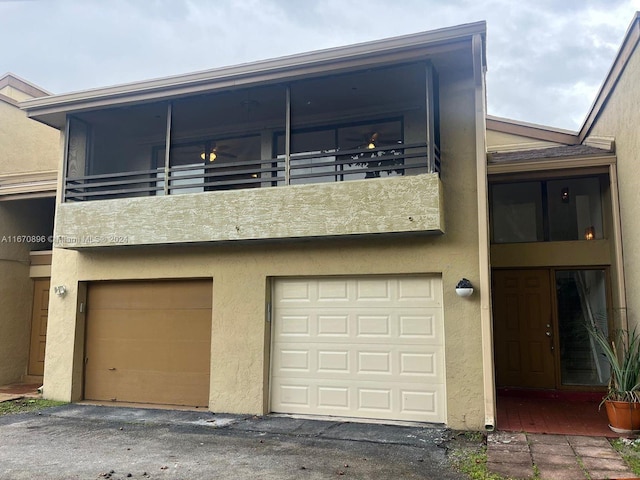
(564,195)
(464,288)
(60,290)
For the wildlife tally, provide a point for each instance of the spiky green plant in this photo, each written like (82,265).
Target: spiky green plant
(623,355)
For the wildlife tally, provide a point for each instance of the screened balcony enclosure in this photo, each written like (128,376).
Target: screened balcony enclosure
(368,124)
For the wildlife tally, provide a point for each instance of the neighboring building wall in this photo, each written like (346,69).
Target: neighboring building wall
(14,93)
(505,142)
(17,218)
(620,118)
(241,273)
(27,146)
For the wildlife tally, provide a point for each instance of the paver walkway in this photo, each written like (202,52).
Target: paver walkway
(556,457)
(18,390)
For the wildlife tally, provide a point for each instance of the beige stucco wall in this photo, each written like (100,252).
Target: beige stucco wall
(18,218)
(399,204)
(620,118)
(504,142)
(241,274)
(27,146)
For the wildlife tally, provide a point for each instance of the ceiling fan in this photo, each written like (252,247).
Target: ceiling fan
(369,141)
(212,151)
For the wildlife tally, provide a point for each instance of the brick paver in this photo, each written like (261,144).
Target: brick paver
(557,457)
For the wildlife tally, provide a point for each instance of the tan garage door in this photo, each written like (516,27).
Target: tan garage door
(369,347)
(149,342)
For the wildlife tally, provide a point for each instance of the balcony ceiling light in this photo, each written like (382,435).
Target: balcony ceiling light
(211,156)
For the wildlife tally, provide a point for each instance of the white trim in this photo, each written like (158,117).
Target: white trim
(484,252)
(550,164)
(618,259)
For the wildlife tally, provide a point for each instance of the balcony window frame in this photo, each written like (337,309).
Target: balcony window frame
(82,188)
(546,229)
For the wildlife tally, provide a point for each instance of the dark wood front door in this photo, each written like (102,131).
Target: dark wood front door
(39,316)
(523,333)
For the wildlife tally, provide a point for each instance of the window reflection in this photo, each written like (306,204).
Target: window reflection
(582,303)
(552,210)
(337,153)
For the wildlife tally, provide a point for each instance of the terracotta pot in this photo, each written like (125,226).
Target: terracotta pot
(624,417)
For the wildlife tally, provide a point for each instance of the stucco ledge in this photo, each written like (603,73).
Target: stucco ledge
(389,205)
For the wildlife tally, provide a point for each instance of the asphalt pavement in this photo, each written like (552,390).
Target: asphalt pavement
(97,442)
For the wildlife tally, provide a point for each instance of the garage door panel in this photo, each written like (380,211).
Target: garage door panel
(417,291)
(186,325)
(146,350)
(363,347)
(368,399)
(161,355)
(379,362)
(361,325)
(150,294)
(134,386)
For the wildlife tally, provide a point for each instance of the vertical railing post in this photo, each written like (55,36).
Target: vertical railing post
(65,159)
(167,146)
(430,112)
(287,139)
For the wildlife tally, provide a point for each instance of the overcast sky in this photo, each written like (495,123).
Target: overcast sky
(546,58)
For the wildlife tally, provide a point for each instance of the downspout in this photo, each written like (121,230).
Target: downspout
(479,70)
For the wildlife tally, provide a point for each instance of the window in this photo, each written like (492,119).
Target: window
(220,164)
(344,152)
(582,304)
(549,210)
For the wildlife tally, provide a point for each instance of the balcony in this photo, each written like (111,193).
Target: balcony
(346,154)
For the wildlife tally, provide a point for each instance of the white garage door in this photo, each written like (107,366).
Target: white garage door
(369,347)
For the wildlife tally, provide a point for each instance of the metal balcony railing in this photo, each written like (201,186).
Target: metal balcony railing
(316,167)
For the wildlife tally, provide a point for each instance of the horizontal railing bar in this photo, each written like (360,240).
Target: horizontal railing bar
(119,174)
(205,176)
(115,183)
(386,148)
(115,192)
(216,165)
(228,182)
(359,160)
(230,171)
(338,173)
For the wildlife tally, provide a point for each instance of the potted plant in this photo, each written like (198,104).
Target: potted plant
(622,400)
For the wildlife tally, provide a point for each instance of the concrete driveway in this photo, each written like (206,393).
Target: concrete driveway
(94,442)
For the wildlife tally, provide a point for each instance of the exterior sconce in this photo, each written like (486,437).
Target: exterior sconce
(564,195)
(464,288)
(60,290)
(589,233)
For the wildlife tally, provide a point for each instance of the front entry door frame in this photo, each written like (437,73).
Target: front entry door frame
(550,334)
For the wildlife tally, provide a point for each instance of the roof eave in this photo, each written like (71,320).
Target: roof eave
(531,130)
(255,72)
(631,39)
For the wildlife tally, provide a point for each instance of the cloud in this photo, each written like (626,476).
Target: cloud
(546,58)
